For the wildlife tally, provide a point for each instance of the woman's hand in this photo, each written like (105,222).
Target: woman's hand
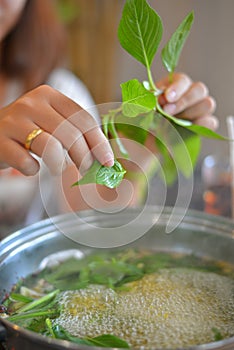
(186,99)
(65,125)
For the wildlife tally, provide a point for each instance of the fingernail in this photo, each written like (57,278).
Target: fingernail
(108,159)
(170,108)
(170,95)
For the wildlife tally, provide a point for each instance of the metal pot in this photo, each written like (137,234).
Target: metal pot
(22,252)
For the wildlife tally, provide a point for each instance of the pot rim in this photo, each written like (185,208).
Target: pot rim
(219,224)
(40,339)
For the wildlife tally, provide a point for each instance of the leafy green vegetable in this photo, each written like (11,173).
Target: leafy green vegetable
(110,272)
(140,31)
(104,340)
(134,34)
(132,128)
(98,270)
(136,98)
(21,298)
(108,341)
(171,52)
(39,303)
(217,334)
(32,314)
(112,269)
(102,175)
(44,306)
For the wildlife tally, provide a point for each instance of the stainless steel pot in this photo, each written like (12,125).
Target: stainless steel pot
(22,253)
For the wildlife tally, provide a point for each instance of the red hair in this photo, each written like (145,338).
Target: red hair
(35,46)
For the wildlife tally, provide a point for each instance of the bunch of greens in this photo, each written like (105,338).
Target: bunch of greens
(178,141)
(36,315)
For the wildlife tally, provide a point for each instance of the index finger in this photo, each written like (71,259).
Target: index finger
(82,120)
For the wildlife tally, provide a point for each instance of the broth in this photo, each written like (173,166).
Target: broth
(148,299)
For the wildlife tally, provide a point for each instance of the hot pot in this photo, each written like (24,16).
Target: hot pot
(24,251)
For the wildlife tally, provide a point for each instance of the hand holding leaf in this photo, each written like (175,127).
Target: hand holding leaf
(140,32)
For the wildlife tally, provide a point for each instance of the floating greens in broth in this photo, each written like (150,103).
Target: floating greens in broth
(109,285)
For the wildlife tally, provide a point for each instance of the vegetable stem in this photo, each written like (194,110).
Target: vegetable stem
(50,327)
(31,314)
(38,302)
(151,82)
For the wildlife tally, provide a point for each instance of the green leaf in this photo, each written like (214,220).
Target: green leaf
(39,303)
(205,132)
(111,176)
(179,148)
(104,340)
(32,314)
(171,52)
(136,98)
(147,121)
(109,341)
(168,171)
(131,128)
(192,142)
(60,333)
(65,274)
(140,31)
(102,175)
(197,129)
(111,272)
(21,298)
(217,334)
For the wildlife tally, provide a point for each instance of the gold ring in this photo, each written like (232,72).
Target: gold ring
(31,136)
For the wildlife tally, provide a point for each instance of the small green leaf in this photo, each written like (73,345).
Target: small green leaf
(32,314)
(20,297)
(197,129)
(109,341)
(60,333)
(168,171)
(39,303)
(217,334)
(102,175)
(179,148)
(192,142)
(205,132)
(147,121)
(104,340)
(136,98)
(111,272)
(90,176)
(171,52)
(111,176)
(140,31)
(131,128)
